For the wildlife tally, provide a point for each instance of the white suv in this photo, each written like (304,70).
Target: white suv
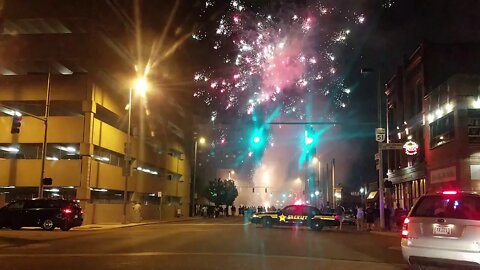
(443,230)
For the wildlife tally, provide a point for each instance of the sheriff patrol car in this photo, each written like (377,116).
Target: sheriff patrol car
(297,215)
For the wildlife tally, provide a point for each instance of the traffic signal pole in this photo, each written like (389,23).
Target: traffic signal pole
(44,145)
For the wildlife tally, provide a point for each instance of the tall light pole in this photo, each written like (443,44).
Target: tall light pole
(316,160)
(333,184)
(202,141)
(140,88)
(381,187)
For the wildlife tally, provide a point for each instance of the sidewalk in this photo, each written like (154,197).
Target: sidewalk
(96,227)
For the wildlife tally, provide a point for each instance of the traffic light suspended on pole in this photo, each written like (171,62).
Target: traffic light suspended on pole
(310,140)
(16,123)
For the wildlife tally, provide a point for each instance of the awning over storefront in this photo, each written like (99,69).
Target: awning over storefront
(372,196)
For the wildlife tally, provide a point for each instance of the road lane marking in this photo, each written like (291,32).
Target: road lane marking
(162,253)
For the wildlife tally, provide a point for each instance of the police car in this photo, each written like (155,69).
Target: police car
(297,215)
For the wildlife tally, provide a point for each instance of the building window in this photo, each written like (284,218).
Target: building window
(442,131)
(106,156)
(474,126)
(63,151)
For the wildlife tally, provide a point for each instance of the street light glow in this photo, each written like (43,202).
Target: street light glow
(141,86)
(202,140)
(315,160)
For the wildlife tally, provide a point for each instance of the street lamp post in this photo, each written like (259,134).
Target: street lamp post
(127,158)
(316,160)
(140,88)
(201,140)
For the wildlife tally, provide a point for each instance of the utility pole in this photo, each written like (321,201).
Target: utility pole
(327,176)
(45,132)
(381,187)
(334,203)
(126,170)
(194,177)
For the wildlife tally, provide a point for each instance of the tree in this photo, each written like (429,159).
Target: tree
(221,192)
(215,191)
(231,192)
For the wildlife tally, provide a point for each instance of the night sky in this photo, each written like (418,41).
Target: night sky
(391,32)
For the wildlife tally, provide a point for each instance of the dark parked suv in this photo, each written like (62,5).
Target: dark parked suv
(43,213)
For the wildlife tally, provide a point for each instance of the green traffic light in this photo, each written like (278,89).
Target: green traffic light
(308,140)
(256,139)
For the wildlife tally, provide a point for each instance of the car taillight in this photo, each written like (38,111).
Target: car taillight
(449,192)
(405,228)
(337,217)
(67,211)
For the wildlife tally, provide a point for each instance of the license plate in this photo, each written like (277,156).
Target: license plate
(442,230)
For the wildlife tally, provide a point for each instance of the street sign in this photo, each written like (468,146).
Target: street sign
(391,146)
(380,134)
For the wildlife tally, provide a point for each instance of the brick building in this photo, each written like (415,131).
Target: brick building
(432,102)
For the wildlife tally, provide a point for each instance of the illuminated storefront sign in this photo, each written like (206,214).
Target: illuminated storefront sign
(411,148)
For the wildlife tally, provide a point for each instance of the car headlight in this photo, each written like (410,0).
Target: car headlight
(254,216)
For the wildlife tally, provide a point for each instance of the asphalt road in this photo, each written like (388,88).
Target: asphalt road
(227,243)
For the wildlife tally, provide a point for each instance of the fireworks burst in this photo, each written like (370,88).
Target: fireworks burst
(273,59)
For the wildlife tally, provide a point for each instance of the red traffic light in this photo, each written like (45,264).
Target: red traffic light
(16,123)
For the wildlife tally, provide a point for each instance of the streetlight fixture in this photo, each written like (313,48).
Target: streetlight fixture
(230,173)
(140,88)
(202,141)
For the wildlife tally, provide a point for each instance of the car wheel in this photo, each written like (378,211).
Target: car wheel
(65,228)
(316,226)
(48,225)
(267,222)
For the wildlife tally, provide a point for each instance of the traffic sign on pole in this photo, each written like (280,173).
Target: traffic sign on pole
(380,134)
(392,146)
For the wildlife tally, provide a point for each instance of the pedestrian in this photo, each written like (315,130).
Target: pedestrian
(234,210)
(340,212)
(360,218)
(388,213)
(399,216)
(326,208)
(370,217)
